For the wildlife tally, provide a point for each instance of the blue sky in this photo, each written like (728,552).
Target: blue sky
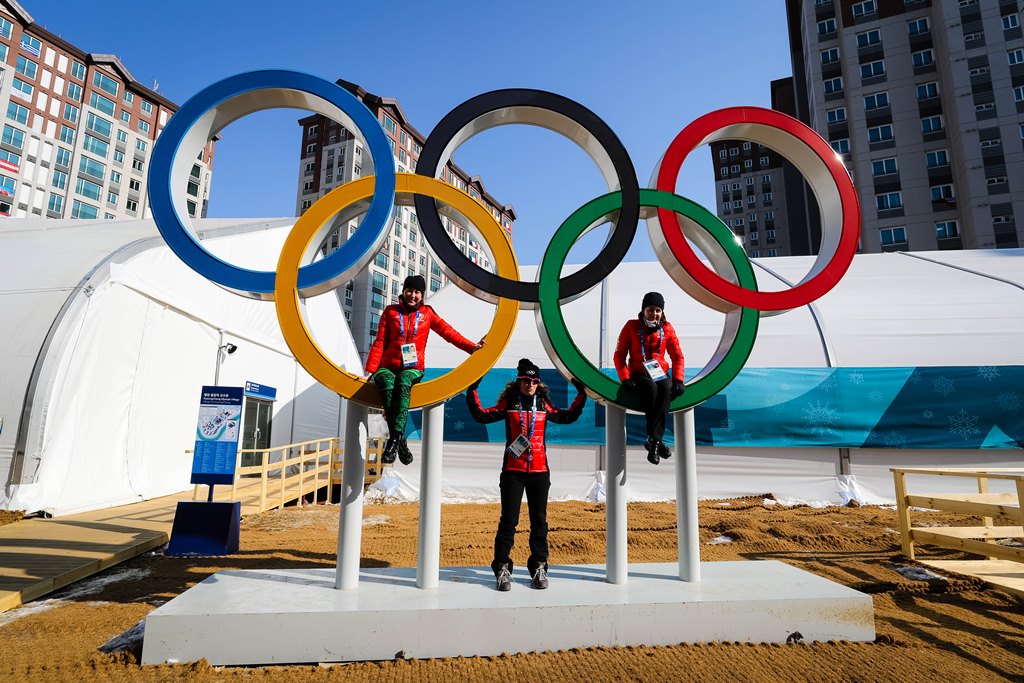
(647,68)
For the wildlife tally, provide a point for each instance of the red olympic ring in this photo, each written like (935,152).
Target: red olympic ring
(836,252)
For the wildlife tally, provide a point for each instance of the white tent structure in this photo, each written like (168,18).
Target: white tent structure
(105,341)
(951,308)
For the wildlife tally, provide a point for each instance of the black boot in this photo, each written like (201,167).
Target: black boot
(387,456)
(664,452)
(652,450)
(404,454)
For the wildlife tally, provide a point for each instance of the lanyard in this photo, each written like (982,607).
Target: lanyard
(533,422)
(401,325)
(643,349)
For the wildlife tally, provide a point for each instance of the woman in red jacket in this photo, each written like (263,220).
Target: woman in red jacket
(396,358)
(526,409)
(645,340)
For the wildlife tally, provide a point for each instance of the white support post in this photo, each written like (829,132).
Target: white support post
(686,496)
(353,474)
(428,546)
(615,495)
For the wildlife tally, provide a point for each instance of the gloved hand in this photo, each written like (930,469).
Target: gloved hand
(678,388)
(629,384)
(578,384)
(475,385)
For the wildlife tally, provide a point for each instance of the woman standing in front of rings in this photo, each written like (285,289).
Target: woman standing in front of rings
(645,341)
(526,409)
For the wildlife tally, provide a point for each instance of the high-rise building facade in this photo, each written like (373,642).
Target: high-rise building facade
(78,130)
(331,156)
(924,101)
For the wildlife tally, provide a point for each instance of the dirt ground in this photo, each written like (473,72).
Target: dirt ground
(929,628)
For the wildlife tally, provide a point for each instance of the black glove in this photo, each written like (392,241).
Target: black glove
(629,384)
(578,384)
(475,385)
(678,388)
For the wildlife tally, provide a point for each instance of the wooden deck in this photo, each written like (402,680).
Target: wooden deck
(38,556)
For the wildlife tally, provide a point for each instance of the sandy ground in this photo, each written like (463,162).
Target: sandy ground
(929,628)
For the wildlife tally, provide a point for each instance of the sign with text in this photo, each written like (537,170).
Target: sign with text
(260,391)
(220,418)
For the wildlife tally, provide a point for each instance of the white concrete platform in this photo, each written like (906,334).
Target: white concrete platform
(297,616)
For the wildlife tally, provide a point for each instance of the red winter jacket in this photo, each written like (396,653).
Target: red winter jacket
(517,410)
(386,350)
(657,342)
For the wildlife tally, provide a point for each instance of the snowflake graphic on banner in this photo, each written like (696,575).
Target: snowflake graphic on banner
(989,372)
(1008,401)
(829,384)
(727,424)
(963,424)
(856,377)
(876,397)
(915,378)
(943,385)
(820,417)
(895,440)
(459,425)
(928,414)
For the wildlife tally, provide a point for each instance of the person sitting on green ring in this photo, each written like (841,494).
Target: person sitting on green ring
(396,359)
(645,340)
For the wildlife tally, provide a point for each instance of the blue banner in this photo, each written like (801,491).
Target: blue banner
(942,407)
(220,417)
(260,391)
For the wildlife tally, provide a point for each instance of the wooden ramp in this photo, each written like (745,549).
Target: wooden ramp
(1003,565)
(38,556)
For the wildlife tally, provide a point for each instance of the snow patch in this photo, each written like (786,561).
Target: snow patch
(129,640)
(375,520)
(98,583)
(720,539)
(918,574)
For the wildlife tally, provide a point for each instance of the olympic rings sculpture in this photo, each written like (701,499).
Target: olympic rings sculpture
(729,285)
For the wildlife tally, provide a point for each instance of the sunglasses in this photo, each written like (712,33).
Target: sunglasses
(532,380)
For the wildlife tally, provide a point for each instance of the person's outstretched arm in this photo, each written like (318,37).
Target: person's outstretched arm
(478,412)
(570,414)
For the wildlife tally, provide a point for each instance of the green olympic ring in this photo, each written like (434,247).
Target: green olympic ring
(740,328)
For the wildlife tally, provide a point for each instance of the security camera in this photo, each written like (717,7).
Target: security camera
(230,348)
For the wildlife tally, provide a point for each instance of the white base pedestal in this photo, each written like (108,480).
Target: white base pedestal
(297,616)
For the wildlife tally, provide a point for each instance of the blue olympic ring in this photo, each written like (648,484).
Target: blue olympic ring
(220,104)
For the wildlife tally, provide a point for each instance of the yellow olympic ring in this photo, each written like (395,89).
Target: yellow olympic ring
(316,362)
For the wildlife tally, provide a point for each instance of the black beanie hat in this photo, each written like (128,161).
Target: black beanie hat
(527,369)
(415,282)
(653,299)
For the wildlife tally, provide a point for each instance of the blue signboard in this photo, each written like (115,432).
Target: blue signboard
(260,391)
(220,422)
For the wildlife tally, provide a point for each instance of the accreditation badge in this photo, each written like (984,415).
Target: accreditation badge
(410,358)
(519,446)
(654,370)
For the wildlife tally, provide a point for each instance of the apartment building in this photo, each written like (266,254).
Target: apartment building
(78,129)
(331,155)
(924,101)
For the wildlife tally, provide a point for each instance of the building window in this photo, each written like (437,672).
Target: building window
(724,172)
(936,158)
(24,88)
(833,85)
(13,137)
(83,210)
(750,181)
(769,234)
(1018,93)
(138,165)
(5,28)
(134,185)
(746,146)
(769,215)
(829,56)
(738,222)
(917,26)
(105,83)
(826,27)
(766,178)
(748,164)
(91,167)
(143,127)
(147,107)
(889,200)
(122,136)
(836,115)
(889,236)
(943,193)
(751,200)
(17,113)
(872,69)
(26,67)
(95,146)
(878,100)
(766,197)
(862,9)
(1010,22)
(115,178)
(128,97)
(141,145)
(869,38)
(104,104)
(308,168)
(773,252)
(389,124)
(737,204)
(880,133)
(118,156)
(67,134)
(735,168)
(927,91)
(754,253)
(923,58)
(1015,56)
(88,189)
(60,180)
(56,203)
(63,157)
(722,154)
(931,124)
(734,151)
(131,205)
(78,70)
(947,229)
(753,235)
(881,167)
(764,161)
